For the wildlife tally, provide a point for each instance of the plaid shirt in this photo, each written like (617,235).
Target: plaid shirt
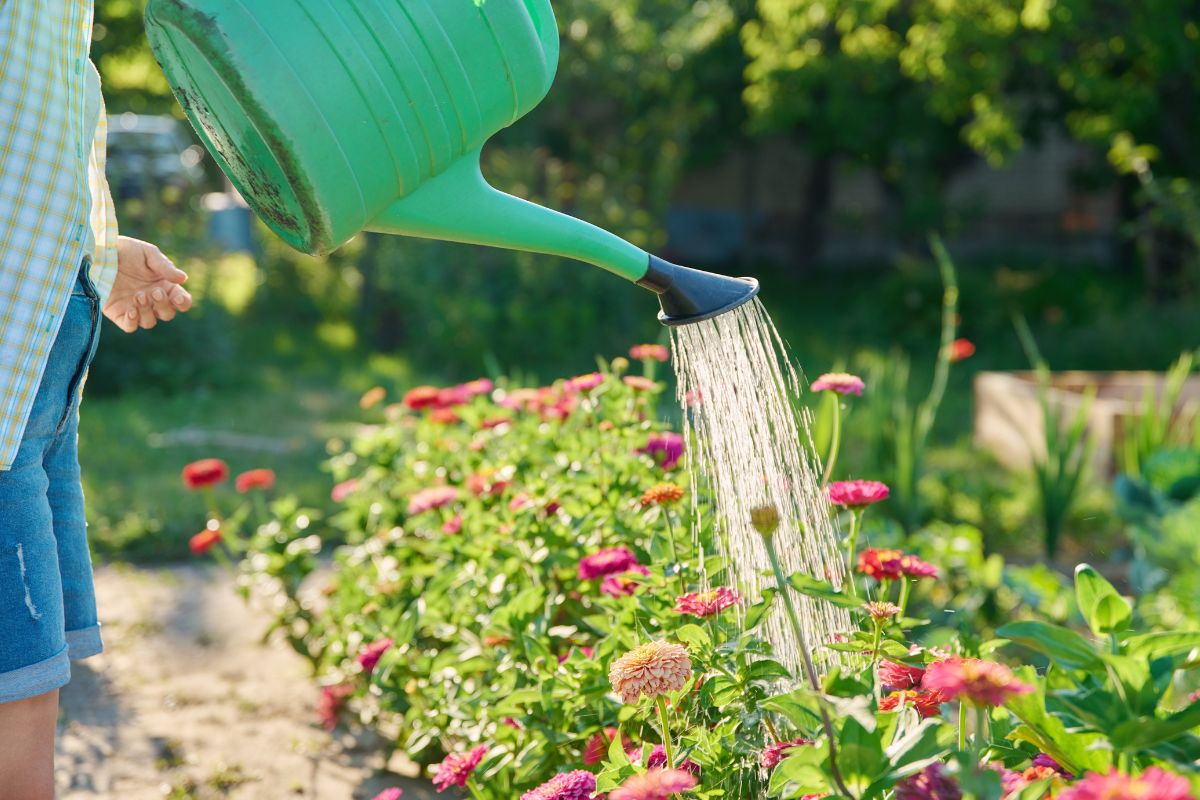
(52,188)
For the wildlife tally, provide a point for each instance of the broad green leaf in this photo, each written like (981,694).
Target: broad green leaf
(801,772)
(767,670)
(1104,610)
(798,707)
(1073,750)
(758,612)
(1162,644)
(918,744)
(693,636)
(822,590)
(860,755)
(1062,645)
(1142,733)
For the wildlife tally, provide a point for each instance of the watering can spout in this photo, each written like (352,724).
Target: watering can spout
(692,295)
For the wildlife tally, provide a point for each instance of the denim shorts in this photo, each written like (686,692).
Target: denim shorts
(47,601)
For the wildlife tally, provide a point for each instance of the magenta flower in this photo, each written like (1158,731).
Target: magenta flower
(478,387)
(1042,760)
(371,654)
(608,561)
(895,677)
(705,604)
(519,501)
(389,794)
(841,383)
(452,525)
(330,704)
(658,759)
(344,490)
(657,784)
(980,682)
(665,448)
(457,768)
(1153,783)
(857,494)
(931,783)
(621,586)
(577,785)
(585,383)
(774,753)
(431,498)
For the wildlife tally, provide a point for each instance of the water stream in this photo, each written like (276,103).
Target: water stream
(752,448)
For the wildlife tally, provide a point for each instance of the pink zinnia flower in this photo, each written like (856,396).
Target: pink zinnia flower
(371,654)
(1010,780)
(577,785)
(344,490)
(608,561)
(931,783)
(585,383)
(841,383)
(452,525)
(665,448)
(389,794)
(980,682)
(652,669)
(478,387)
(895,677)
(657,784)
(1153,783)
(886,564)
(649,352)
(639,384)
(494,422)
(330,704)
(705,604)
(431,498)
(658,759)
(596,749)
(457,768)
(772,754)
(857,494)
(621,586)
(519,501)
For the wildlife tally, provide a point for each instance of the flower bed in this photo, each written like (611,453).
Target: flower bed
(519,607)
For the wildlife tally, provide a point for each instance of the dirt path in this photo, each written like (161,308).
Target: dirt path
(186,704)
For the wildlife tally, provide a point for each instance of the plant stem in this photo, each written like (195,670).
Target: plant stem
(852,547)
(675,552)
(981,732)
(771,728)
(905,588)
(835,440)
(962,725)
(666,730)
(809,669)
(878,634)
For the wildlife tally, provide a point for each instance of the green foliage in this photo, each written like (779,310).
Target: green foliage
(1162,422)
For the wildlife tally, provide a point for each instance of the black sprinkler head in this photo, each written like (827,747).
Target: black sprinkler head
(693,295)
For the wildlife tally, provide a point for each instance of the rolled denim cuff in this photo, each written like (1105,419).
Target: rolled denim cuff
(44,676)
(84,643)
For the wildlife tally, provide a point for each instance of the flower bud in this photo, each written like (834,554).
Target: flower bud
(765,519)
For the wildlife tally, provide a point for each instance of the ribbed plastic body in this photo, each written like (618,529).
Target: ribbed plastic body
(324,113)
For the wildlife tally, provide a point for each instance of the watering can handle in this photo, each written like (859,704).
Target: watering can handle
(459,205)
(547,31)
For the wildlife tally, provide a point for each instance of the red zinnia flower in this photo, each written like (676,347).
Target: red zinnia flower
(886,564)
(961,349)
(421,397)
(457,768)
(857,494)
(649,352)
(893,676)
(927,704)
(204,473)
(203,541)
(980,682)
(255,479)
(444,416)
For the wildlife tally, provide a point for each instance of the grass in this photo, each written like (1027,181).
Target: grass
(282,387)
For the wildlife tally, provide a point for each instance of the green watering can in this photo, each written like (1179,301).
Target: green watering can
(337,116)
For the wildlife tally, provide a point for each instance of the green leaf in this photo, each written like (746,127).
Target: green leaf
(767,670)
(1162,644)
(1061,644)
(1074,750)
(1142,733)
(758,612)
(918,744)
(822,590)
(860,754)
(801,772)
(693,636)
(1104,610)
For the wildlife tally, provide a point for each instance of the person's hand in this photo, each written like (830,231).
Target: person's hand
(147,288)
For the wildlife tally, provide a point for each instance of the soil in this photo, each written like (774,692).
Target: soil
(188,703)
